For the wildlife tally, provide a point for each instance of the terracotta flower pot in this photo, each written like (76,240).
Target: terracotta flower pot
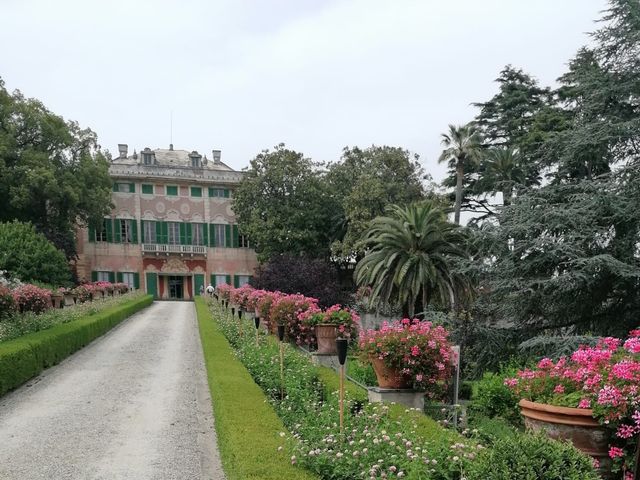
(574,424)
(389,377)
(326,335)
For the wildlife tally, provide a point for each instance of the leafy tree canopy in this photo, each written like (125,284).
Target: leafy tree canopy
(30,257)
(566,255)
(364,182)
(52,172)
(284,206)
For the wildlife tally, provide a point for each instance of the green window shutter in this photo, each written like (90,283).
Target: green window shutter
(141,231)
(115,187)
(112,277)
(158,232)
(94,276)
(109,224)
(227,235)
(148,189)
(226,193)
(134,231)
(119,277)
(211,194)
(136,280)
(235,237)
(205,234)
(228,280)
(212,235)
(196,191)
(183,234)
(116,231)
(92,234)
(172,190)
(132,188)
(250,279)
(212,280)
(236,281)
(189,231)
(165,232)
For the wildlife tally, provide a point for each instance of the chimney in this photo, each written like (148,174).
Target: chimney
(123,148)
(216,156)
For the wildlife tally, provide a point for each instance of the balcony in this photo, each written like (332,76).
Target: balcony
(163,249)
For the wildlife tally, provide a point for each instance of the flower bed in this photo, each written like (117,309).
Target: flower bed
(604,379)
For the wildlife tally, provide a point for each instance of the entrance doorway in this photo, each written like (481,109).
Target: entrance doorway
(176,288)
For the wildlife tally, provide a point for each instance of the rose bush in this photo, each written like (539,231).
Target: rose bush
(604,378)
(417,349)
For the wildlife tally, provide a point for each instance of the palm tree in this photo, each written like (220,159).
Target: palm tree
(462,144)
(410,255)
(503,171)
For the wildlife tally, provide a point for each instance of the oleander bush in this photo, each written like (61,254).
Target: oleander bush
(31,298)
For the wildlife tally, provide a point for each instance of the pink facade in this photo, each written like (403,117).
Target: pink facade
(172,229)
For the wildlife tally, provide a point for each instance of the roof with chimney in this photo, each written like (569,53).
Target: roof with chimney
(172,163)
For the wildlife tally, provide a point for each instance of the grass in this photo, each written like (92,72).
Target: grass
(247,427)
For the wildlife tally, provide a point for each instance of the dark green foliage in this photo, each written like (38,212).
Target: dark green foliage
(29,256)
(8,305)
(53,172)
(25,357)
(364,182)
(553,346)
(283,205)
(313,277)
(492,398)
(532,457)
(565,255)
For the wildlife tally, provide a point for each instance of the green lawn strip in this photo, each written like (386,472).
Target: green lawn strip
(25,357)
(247,427)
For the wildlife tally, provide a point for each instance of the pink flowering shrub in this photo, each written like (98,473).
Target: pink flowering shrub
(224,291)
(604,378)
(286,309)
(7,303)
(263,302)
(239,296)
(346,320)
(121,287)
(107,286)
(416,348)
(31,298)
(254,298)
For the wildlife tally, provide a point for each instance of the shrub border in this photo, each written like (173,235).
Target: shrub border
(247,427)
(25,357)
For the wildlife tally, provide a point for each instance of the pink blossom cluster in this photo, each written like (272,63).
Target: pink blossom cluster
(419,349)
(606,378)
(31,298)
(346,320)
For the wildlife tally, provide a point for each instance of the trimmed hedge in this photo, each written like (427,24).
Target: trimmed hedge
(25,357)
(246,425)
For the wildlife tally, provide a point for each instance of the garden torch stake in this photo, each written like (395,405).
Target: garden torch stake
(341,346)
(281,338)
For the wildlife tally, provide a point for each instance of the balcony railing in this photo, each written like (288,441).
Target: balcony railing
(165,249)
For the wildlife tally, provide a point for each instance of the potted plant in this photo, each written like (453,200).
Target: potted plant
(406,354)
(590,398)
(335,322)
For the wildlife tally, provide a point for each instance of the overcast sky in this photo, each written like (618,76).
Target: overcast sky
(245,75)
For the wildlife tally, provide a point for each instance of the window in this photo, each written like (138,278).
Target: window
(149,234)
(125,231)
(219,235)
(129,279)
(220,280)
(243,241)
(101,233)
(147,189)
(196,191)
(124,187)
(242,280)
(218,192)
(172,190)
(197,233)
(147,158)
(103,276)
(174,233)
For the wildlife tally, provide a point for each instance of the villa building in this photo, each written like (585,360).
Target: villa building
(172,230)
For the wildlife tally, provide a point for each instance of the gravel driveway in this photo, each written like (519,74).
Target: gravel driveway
(132,405)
